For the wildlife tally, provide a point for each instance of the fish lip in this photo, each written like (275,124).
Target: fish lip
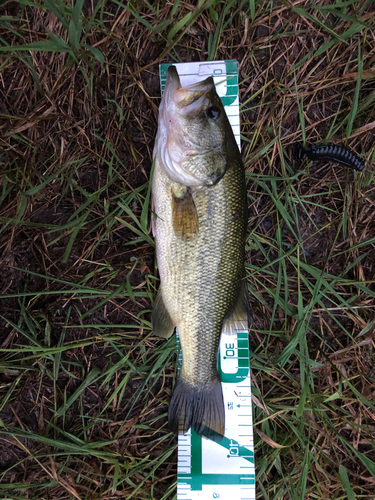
(192,95)
(204,85)
(183,97)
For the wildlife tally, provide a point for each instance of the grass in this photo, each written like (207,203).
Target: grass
(84,384)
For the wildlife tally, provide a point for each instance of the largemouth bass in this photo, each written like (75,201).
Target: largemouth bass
(199,223)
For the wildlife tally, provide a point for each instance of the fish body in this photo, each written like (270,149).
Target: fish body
(199,224)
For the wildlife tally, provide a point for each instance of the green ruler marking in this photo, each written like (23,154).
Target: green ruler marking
(221,470)
(225,469)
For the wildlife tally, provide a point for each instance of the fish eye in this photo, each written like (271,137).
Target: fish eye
(213,112)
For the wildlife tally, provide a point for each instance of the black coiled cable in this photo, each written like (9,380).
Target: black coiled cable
(331,152)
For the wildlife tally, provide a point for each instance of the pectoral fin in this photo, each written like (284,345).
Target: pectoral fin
(160,319)
(239,317)
(184,213)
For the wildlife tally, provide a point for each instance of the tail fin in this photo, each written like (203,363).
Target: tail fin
(200,407)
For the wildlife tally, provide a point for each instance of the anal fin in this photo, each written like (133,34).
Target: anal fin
(160,319)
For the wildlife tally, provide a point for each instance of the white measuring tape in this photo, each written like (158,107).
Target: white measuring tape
(225,469)
(206,469)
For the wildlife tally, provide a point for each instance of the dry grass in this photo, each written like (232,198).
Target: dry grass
(84,384)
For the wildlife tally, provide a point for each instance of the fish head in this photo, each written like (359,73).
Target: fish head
(193,132)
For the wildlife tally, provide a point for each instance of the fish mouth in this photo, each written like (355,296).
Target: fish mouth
(190,98)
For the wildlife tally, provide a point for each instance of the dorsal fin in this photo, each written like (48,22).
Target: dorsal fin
(239,317)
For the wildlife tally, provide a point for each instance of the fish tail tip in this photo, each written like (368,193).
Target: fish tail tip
(200,407)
